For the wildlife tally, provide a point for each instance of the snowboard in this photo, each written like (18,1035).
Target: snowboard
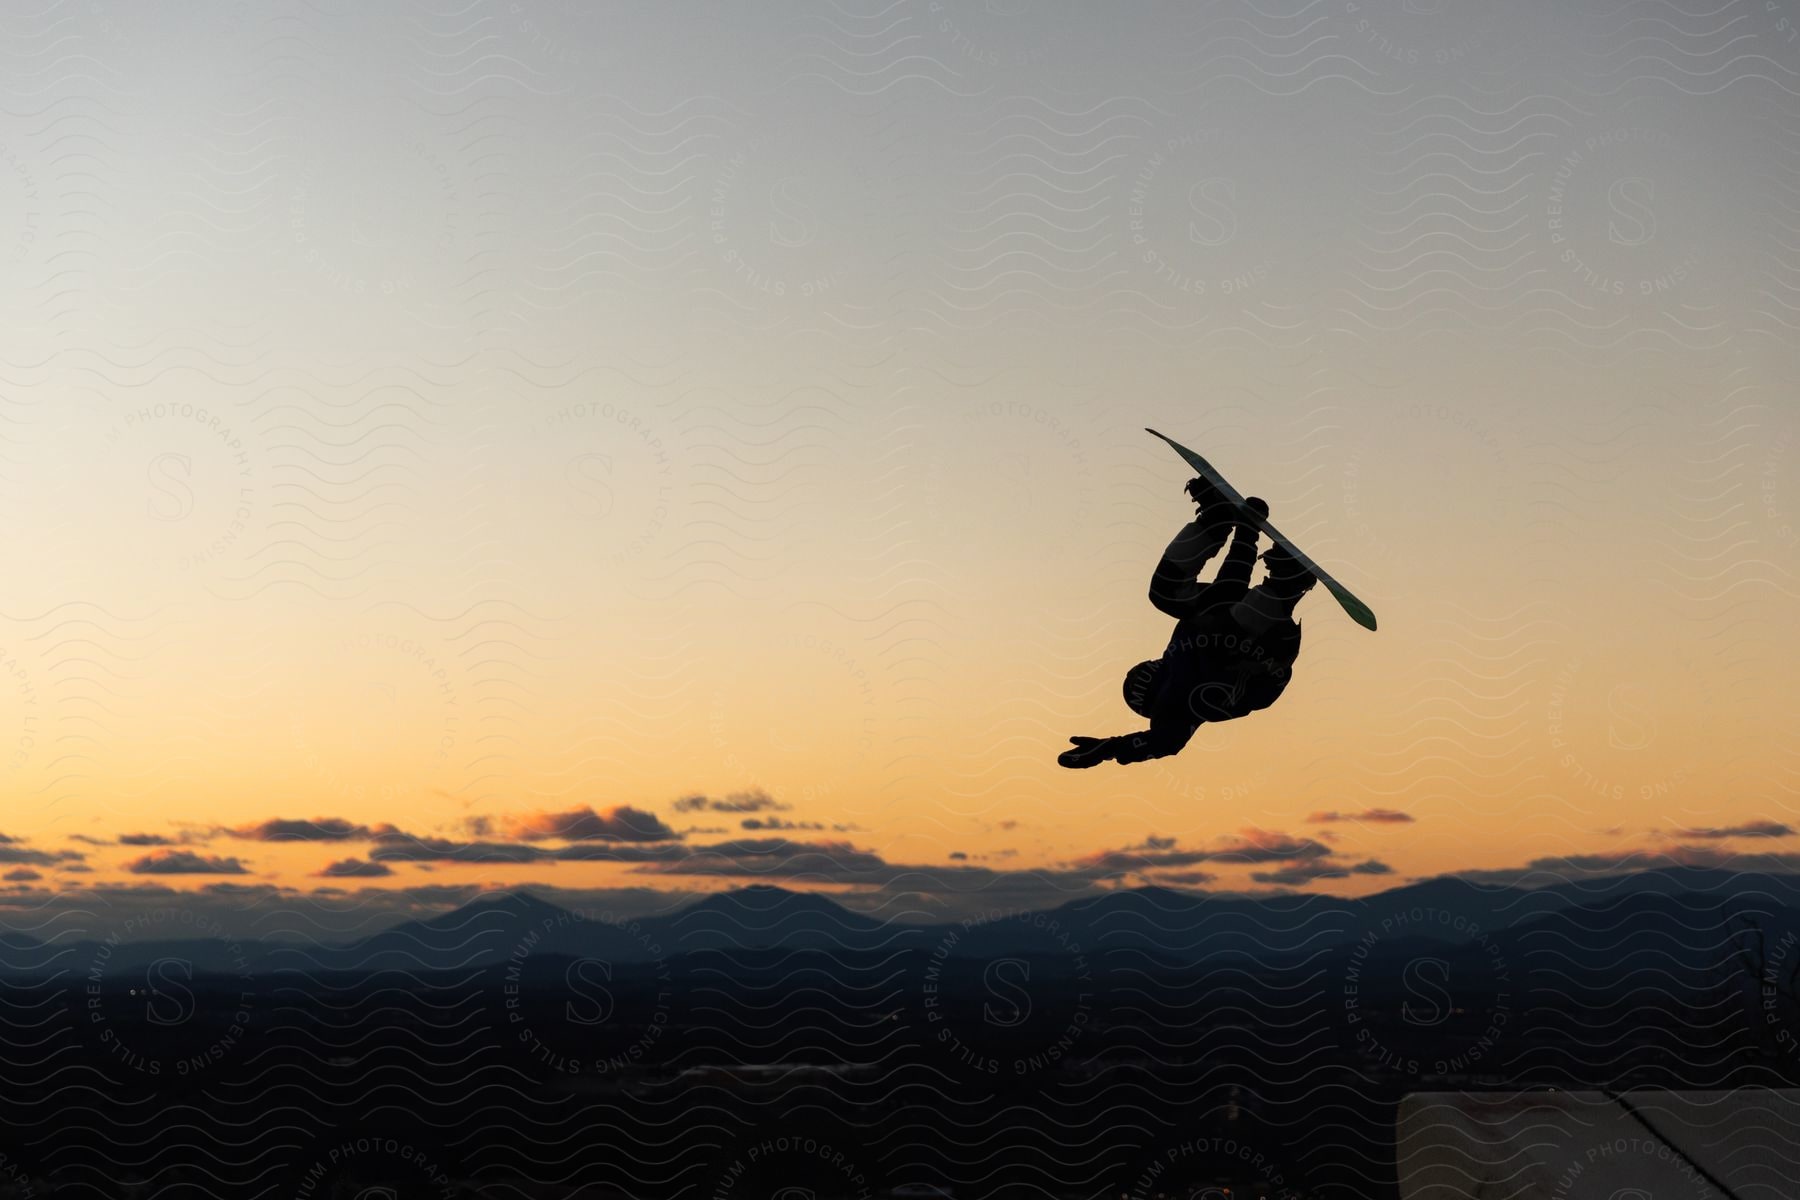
(1359,612)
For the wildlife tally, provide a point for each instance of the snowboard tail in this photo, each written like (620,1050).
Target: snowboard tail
(1359,612)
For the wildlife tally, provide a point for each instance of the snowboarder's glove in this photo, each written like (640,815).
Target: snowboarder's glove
(1088,752)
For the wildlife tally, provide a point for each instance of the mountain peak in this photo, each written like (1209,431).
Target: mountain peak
(518,905)
(766,897)
(519,898)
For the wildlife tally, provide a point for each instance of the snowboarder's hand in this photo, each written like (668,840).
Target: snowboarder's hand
(1088,752)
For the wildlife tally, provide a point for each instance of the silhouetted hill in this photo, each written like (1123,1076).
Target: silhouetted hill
(1779,889)
(1667,939)
(764,916)
(1163,924)
(1186,926)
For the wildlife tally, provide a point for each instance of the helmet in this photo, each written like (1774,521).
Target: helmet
(1140,686)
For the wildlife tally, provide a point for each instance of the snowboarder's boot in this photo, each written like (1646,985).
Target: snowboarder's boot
(1288,580)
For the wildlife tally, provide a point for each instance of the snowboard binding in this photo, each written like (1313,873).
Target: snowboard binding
(1287,577)
(1211,501)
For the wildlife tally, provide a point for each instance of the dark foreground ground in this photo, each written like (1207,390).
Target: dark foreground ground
(968,1062)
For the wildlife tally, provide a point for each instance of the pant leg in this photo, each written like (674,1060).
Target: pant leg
(1175,585)
(1240,560)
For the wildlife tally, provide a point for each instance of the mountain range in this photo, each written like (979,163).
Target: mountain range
(1166,924)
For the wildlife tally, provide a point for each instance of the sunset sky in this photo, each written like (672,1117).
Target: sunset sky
(453,447)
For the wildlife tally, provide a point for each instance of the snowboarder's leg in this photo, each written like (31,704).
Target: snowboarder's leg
(1240,560)
(1175,585)
(1175,588)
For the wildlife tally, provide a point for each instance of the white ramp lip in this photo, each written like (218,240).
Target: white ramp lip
(1643,1144)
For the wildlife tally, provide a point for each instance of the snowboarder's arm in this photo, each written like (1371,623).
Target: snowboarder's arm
(1158,741)
(1262,689)
(1269,670)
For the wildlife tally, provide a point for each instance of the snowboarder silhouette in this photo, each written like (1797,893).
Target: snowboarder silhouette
(1234,645)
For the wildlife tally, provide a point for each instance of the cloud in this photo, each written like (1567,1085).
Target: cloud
(1749,829)
(1562,868)
(752,801)
(1187,877)
(775,824)
(145,839)
(1265,845)
(1295,860)
(140,839)
(621,823)
(21,875)
(319,829)
(185,862)
(418,849)
(835,861)
(355,868)
(12,851)
(245,891)
(1309,872)
(1368,816)
(958,856)
(1252,846)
